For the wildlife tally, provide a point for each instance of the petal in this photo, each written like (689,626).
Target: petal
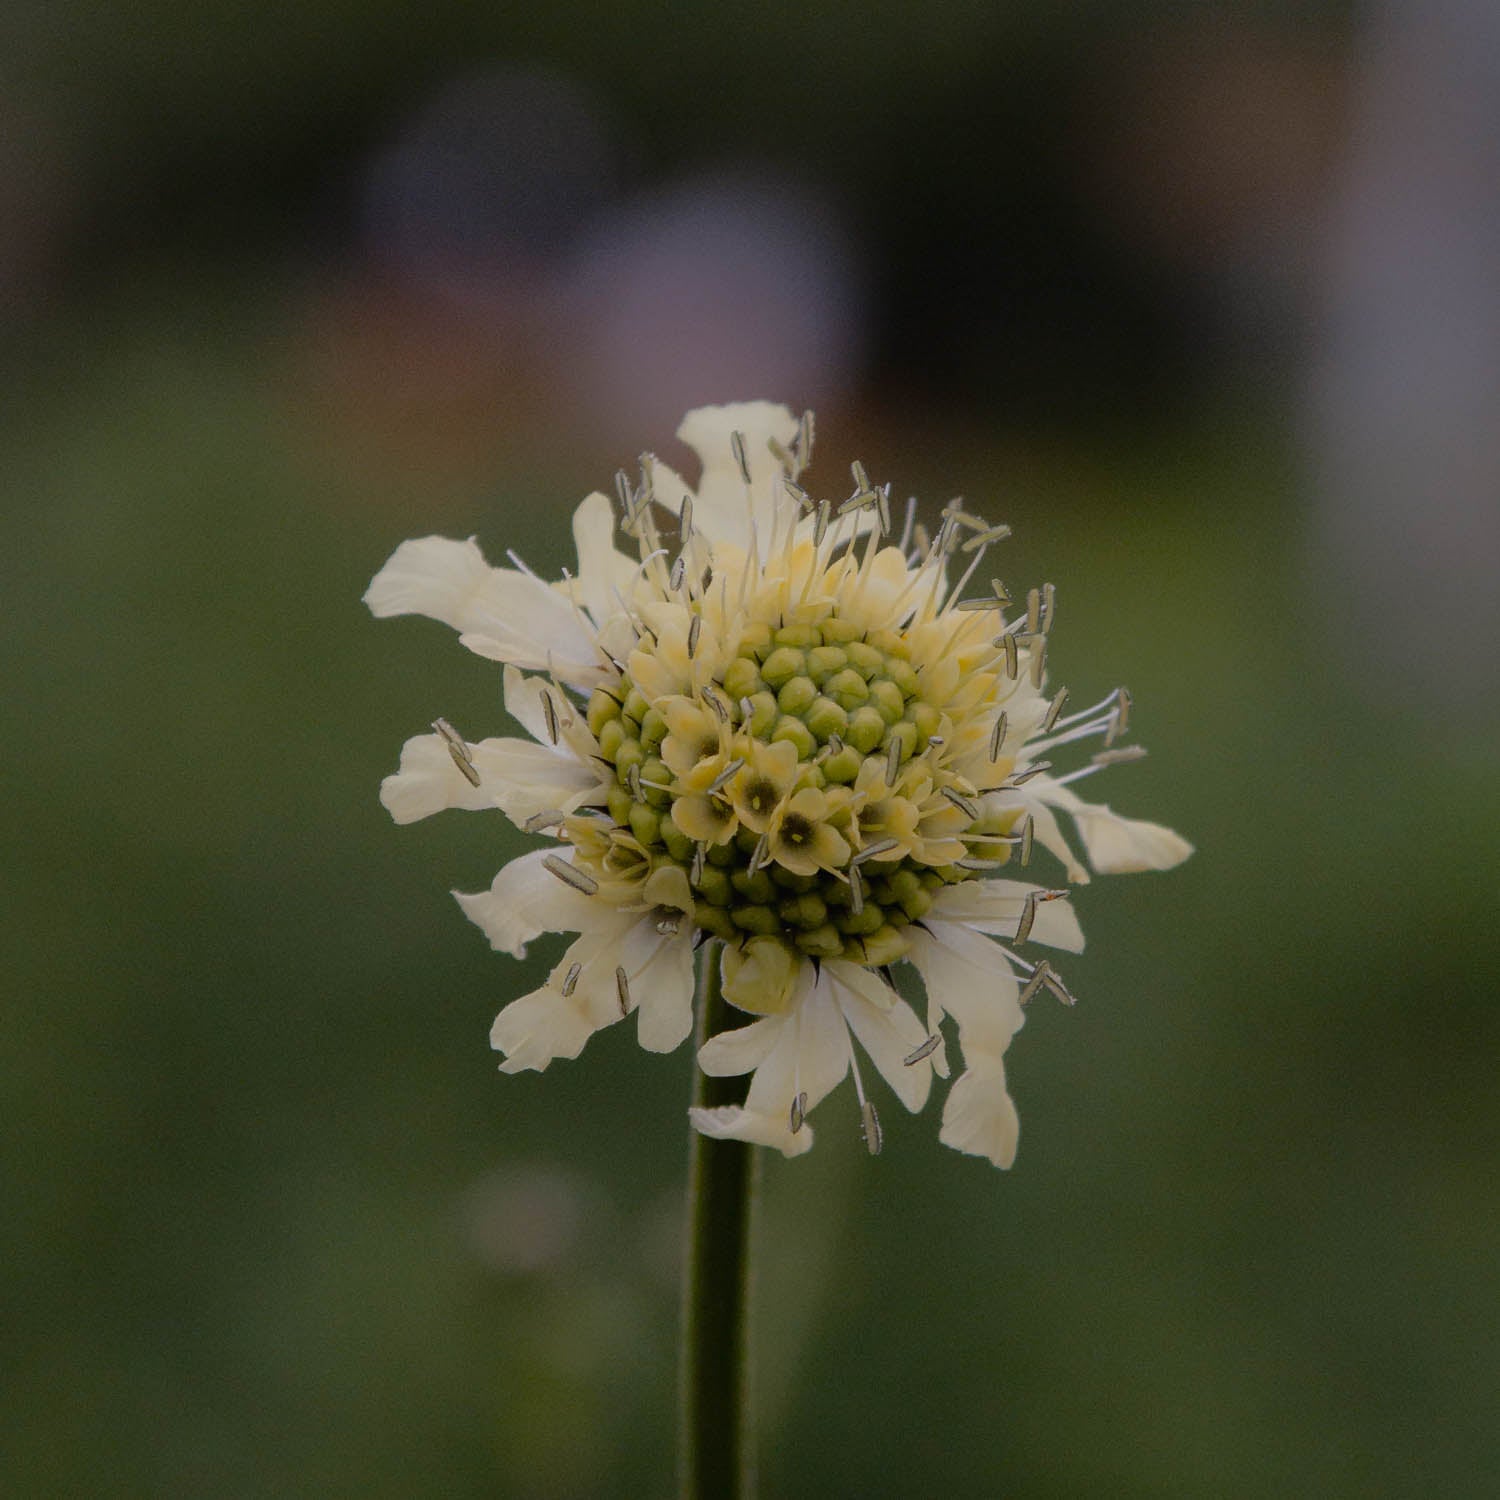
(741,1049)
(722,507)
(524,900)
(659,967)
(606,577)
(435,576)
(429,780)
(526,779)
(979,1118)
(887,1029)
(810,1055)
(538,1027)
(966,976)
(731,1122)
(1115,845)
(995,906)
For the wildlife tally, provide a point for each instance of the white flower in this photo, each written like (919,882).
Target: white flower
(781,726)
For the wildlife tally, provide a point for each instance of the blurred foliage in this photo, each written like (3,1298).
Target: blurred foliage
(263,1182)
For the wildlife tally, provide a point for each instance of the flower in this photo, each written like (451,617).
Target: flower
(783,726)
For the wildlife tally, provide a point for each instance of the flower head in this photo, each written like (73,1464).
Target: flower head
(783,725)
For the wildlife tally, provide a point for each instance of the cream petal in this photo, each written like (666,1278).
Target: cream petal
(966,975)
(1048,834)
(979,1117)
(1116,845)
(529,779)
(741,1049)
(810,1055)
(606,577)
(525,900)
(429,781)
(731,1122)
(659,968)
(538,1027)
(887,1028)
(995,906)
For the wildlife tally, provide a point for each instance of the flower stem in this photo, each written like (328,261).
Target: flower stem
(717,1461)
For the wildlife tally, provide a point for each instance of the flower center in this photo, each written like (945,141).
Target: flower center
(803,788)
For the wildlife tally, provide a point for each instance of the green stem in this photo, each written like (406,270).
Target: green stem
(717,1456)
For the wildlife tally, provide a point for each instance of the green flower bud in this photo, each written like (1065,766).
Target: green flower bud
(797,695)
(824,661)
(679,845)
(867,919)
(883,946)
(602,709)
(763,714)
(714,887)
(800,636)
(866,730)
(653,730)
(887,700)
(619,802)
(714,919)
(907,735)
(848,689)
(759,919)
(611,737)
(635,705)
(629,754)
(798,733)
(782,665)
(742,678)
(843,767)
(865,659)
(757,887)
(755,641)
(645,824)
(824,717)
(820,942)
(903,674)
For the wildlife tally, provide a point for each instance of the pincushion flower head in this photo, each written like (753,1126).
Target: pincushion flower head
(796,725)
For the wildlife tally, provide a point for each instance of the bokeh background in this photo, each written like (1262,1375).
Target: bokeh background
(1204,300)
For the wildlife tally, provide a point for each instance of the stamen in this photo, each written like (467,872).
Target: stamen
(805,439)
(737,444)
(985,537)
(893,762)
(820,526)
(1033,610)
(669,923)
(911,518)
(997,736)
(695,629)
(804,501)
(570,874)
(549,711)
(1012,655)
(1118,757)
(1049,606)
(999,591)
(761,853)
(1054,708)
(1028,918)
(685,520)
(925,1050)
(674,578)
(856,890)
(967,808)
(835,744)
(729,771)
(695,875)
(537,822)
(1033,984)
(1054,982)
(715,702)
(458,750)
(633,782)
(883,500)
(1120,721)
(622,989)
(570,980)
(869,1128)
(1035,769)
(1038,660)
(954,510)
(1028,832)
(874,851)
(798,1113)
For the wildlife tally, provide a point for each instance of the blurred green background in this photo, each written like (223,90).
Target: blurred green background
(282,286)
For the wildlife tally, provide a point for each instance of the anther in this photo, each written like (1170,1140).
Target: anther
(893,762)
(633,782)
(998,589)
(1028,832)
(570,979)
(997,735)
(883,501)
(856,890)
(969,809)
(969,606)
(835,744)
(737,443)
(820,526)
(1012,655)
(925,1050)
(798,1113)
(715,702)
(674,578)
(549,711)
(570,874)
(1118,757)
(874,851)
(1038,660)
(552,818)
(1028,917)
(805,438)
(1054,982)
(458,750)
(695,629)
(861,479)
(669,923)
(1120,720)
(727,774)
(624,493)
(622,989)
(869,1128)
(747,710)
(1033,610)
(761,853)
(1035,982)
(1049,606)
(985,537)
(695,875)
(1035,769)
(1054,708)
(685,520)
